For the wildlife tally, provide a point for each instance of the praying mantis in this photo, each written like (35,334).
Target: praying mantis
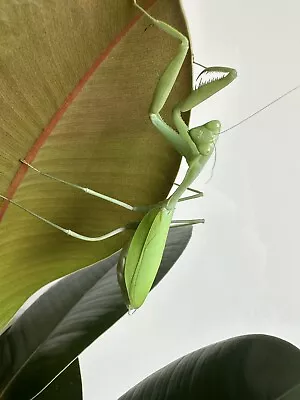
(140,259)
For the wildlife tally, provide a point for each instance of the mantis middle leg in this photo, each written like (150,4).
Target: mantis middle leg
(92,192)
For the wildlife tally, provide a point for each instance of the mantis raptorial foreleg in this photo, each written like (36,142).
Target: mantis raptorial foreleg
(181,139)
(169,76)
(164,87)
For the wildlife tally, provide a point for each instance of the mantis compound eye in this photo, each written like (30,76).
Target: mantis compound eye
(214,126)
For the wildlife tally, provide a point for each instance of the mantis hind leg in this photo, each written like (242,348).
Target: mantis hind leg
(69,232)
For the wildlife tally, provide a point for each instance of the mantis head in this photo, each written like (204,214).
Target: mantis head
(205,136)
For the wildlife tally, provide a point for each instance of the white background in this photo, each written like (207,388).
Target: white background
(240,273)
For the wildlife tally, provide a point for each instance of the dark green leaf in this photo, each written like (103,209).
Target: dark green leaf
(291,394)
(61,323)
(67,386)
(253,367)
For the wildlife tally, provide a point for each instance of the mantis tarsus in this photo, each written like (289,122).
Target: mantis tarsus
(140,259)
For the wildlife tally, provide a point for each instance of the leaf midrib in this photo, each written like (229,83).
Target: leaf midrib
(32,153)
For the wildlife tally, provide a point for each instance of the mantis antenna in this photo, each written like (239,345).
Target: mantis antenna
(244,119)
(261,109)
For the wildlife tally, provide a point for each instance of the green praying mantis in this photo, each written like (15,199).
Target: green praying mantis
(140,259)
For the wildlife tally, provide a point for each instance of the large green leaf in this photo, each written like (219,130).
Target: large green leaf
(67,386)
(253,367)
(77,79)
(291,394)
(62,322)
